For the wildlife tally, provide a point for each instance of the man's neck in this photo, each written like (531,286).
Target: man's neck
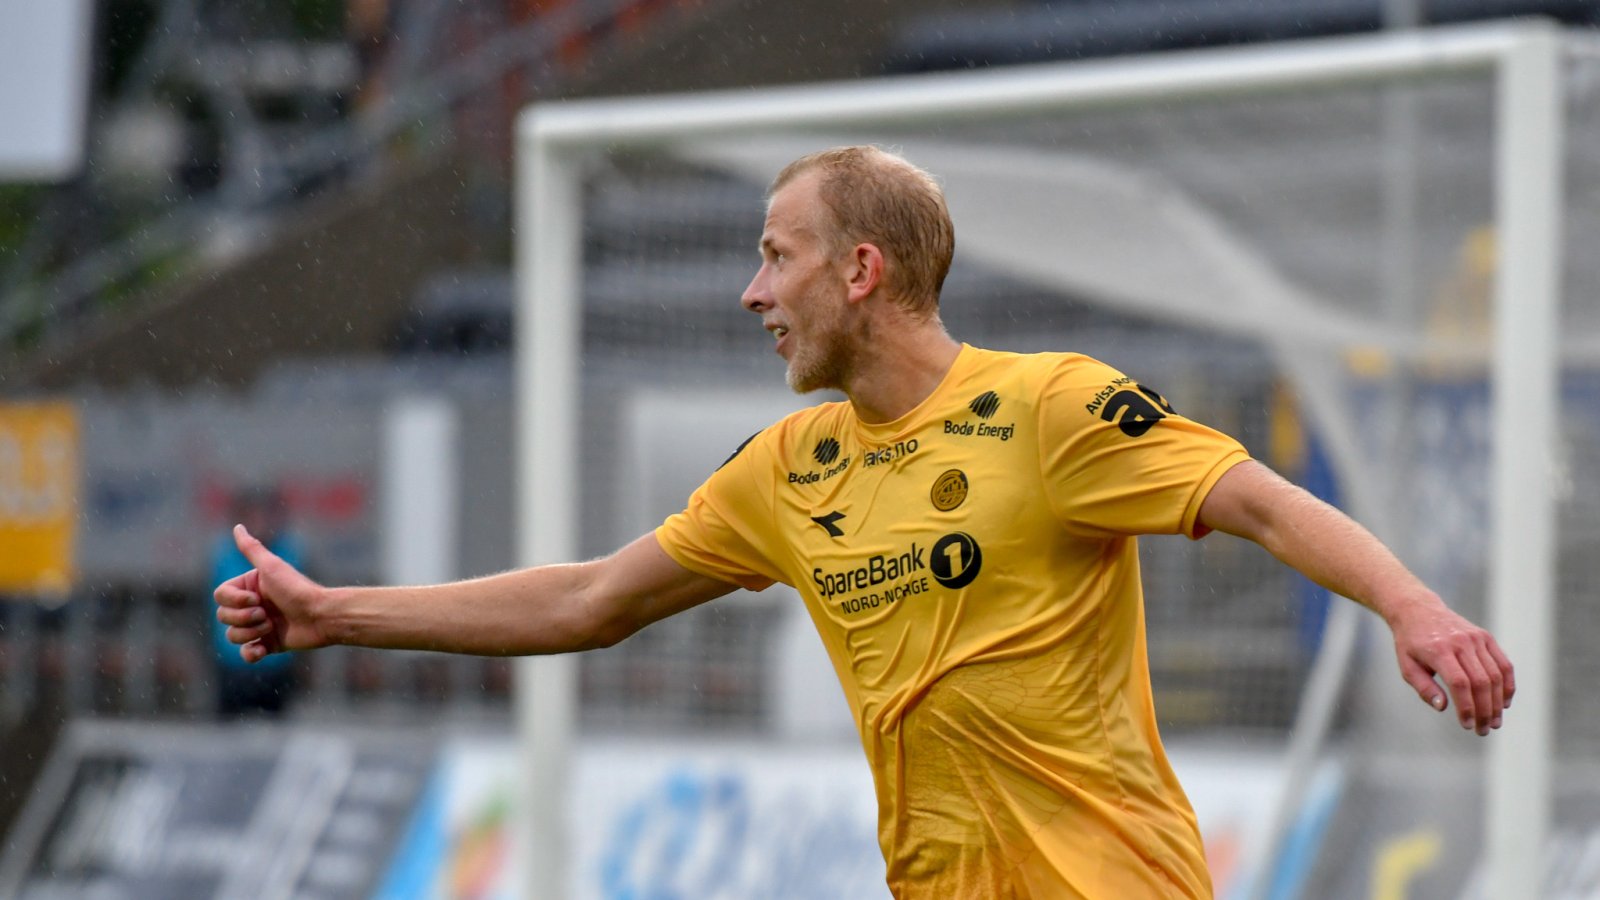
(901,371)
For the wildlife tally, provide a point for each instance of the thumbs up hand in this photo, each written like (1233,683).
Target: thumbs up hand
(271,608)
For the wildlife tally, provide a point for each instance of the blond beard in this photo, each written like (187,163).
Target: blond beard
(831,367)
(805,376)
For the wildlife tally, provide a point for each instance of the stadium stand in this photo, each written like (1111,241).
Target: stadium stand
(316,178)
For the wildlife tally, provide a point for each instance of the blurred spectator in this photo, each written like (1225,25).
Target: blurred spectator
(369,26)
(264,687)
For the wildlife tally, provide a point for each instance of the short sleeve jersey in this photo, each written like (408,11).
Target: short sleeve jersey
(973,572)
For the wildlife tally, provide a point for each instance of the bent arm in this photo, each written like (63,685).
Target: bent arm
(1331,549)
(1252,501)
(543,609)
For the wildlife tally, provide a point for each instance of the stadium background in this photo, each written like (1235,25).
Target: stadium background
(291,229)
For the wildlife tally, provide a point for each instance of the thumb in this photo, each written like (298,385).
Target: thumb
(1422,682)
(253,550)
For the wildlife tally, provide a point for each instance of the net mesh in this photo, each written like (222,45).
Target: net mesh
(1309,270)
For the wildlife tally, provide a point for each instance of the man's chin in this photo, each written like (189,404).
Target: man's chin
(801,387)
(804,382)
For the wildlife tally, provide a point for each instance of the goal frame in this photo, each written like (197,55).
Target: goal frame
(1523,57)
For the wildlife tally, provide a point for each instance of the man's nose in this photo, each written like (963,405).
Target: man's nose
(756,297)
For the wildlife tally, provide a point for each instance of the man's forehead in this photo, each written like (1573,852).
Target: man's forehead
(799,191)
(790,208)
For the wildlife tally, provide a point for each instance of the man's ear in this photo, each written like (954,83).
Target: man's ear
(866,265)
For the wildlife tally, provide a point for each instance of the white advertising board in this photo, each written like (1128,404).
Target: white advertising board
(731,820)
(722,822)
(650,818)
(44,87)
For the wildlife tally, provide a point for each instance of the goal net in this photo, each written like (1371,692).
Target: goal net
(1366,258)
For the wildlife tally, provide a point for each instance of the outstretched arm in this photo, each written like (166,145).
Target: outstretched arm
(544,609)
(1325,545)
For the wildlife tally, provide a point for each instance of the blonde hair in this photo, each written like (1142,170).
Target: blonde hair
(879,198)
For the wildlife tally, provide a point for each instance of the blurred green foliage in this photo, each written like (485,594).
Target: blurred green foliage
(318,19)
(19,205)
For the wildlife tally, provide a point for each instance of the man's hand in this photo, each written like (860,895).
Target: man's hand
(270,608)
(1431,642)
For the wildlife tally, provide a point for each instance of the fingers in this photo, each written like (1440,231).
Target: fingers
(242,616)
(1492,680)
(1508,675)
(1478,708)
(254,652)
(246,625)
(1496,684)
(1463,677)
(1476,680)
(245,634)
(230,594)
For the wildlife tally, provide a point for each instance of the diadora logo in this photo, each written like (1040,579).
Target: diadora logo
(826,451)
(984,406)
(830,523)
(1134,411)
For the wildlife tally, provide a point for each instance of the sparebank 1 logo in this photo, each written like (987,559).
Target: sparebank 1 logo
(885,579)
(1135,412)
(955,560)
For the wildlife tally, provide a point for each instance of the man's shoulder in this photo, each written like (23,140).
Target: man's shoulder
(1045,358)
(1041,366)
(777,439)
(1055,386)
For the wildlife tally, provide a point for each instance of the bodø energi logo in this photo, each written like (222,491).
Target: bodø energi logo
(826,452)
(985,404)
(955,560)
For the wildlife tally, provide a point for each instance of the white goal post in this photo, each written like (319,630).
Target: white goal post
(555,141)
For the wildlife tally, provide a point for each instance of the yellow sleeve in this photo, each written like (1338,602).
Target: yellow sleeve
(1118,460)
(727,526)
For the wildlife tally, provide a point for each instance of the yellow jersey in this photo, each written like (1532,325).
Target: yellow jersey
(973,572)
